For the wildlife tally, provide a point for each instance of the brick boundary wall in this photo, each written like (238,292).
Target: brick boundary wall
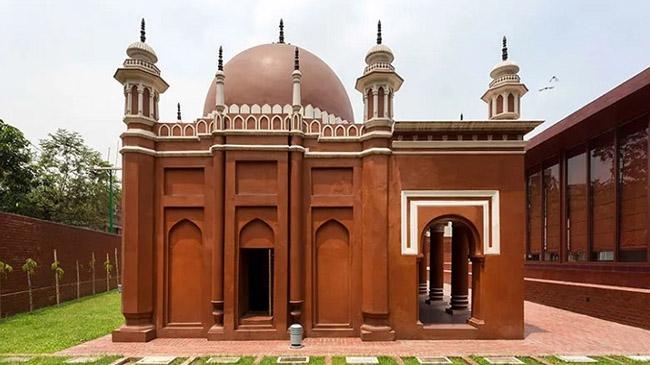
(22,237)
(619,304)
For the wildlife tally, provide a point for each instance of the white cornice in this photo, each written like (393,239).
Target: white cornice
(438,145)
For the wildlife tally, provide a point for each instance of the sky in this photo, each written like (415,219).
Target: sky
(58,57)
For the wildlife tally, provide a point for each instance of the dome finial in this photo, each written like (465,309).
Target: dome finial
(220,62)
(379,32)
(142,32)
(281,40)
(461,116)
(178,111)
(504,50)
(296,60)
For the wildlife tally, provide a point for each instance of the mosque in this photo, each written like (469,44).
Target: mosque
(277,206)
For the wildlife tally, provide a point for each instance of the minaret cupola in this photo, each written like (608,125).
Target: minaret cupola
(379,81)
(505,90)
(142,82)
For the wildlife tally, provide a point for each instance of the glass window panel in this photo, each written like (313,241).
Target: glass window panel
(633,175)
(534,216)
(577,240)
(552,213)
(603,204)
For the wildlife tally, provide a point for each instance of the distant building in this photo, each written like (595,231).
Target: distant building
(277,207)
(587,216)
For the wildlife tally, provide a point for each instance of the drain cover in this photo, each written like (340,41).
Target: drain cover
(223,360)
(576,358)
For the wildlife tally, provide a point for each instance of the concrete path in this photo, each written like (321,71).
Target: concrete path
(548,331)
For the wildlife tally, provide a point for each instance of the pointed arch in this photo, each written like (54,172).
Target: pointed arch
(201,127)
(163,130)
(176,130)
(511,103)
(189,130)
(185,274)
(256,234)
(370,104)
(277,109)
(146,94)
(276,123)
(264,123)
(499,104)
(244,109)
(250,123)
(134,100)
(333,274)
(238,123)
(380,102)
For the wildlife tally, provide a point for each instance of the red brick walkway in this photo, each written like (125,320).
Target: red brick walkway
(548,331)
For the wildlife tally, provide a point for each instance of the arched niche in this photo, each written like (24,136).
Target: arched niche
(333,275)
(184,273)
(256,234)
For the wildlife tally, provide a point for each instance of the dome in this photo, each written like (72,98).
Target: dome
(262,75)
(141,50)
(505,67)
(379,53)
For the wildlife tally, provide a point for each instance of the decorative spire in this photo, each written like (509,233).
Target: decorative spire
(281,40)
(504,50)
(220,62)
(296,60)
(178,111)
(461,116)
(379,32)
(142,32)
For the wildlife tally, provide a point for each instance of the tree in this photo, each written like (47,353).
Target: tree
(16,170)
(58,275)
(108,267)
(68,189)
(29,267)
(4,270)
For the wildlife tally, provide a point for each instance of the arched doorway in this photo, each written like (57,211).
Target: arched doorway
(450,264)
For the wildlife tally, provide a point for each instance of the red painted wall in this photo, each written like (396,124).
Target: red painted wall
(22,237)
(624,305)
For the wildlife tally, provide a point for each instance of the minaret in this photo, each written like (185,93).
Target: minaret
(505,90)
(142,82)
(220,77)
(296,76)
(378,83)
(296,208)
(142,87)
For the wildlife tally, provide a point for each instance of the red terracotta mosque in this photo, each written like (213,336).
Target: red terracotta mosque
(277,207)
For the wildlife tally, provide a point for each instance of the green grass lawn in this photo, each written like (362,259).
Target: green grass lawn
(105,360)
(56,328)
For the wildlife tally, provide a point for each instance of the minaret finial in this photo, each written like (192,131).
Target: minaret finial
(504,50)
(461,116)
(220,62)
(178,111)
(142,32)
(379,32)
(296,60)
(281,40)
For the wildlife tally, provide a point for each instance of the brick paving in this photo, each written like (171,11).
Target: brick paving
(548,331)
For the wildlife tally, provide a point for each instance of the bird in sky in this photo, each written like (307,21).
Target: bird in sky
(550,87)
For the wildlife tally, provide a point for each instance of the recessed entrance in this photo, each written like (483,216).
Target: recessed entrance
(445,279)
(256,283)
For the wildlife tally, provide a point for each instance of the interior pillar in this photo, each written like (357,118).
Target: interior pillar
(436,273)
(422,274)
(459,273)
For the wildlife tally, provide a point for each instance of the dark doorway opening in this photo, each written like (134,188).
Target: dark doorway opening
(256,282)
